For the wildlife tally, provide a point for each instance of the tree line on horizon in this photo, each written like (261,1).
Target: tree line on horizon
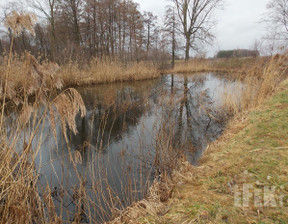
(237,53)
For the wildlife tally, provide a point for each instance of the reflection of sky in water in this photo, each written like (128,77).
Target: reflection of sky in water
(118,134)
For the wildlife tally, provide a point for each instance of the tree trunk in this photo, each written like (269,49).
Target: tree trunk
(173,59)
(187,48)
(1,48)
(53,31)
(53,51)
(173,49)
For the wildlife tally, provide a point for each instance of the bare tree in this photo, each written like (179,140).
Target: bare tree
(71,10)
(278,13)
(47,7)
(276,17)
(196,18)
(149,21)
(170,29)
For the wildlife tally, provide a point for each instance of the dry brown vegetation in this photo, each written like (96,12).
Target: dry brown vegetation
(226,65)
(20,197)
(257,84)
(25,75)
(71,74)
(107,71)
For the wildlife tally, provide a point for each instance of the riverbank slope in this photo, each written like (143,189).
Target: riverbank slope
(217,65)
(242,178)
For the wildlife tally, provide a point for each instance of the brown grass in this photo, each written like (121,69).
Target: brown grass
(106,71)
(257,84)
(227,65)
(20,78)
(20,200)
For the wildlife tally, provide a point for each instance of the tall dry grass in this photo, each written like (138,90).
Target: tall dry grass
(21,77)
(21,141)
(25,76)
(105,71)
(72,74)
(256,84)
(214,65)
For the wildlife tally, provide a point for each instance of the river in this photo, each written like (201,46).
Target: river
(133,133)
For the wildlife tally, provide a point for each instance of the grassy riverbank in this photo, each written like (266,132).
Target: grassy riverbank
(222,65)
(252,152)
(107,71)
(21,73)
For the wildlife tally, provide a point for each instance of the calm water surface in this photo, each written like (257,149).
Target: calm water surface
(119,148)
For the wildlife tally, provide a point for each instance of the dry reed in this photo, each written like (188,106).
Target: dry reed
(20,197)
(106,71)
(257,84)
(228,65)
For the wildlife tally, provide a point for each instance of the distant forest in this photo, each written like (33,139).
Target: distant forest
(238,53)
(82,29)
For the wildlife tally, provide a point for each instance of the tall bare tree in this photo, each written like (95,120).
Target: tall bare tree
(278,16)
(196,17)
(170,29)
(47,7)
(149,21)
(71,10)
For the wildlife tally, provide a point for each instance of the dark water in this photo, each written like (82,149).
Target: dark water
(132,133)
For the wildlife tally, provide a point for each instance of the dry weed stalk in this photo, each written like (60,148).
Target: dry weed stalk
(16,22)
(256,85)
(67,104)
(19,187)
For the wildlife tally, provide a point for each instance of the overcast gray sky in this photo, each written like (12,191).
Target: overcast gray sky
(238,24)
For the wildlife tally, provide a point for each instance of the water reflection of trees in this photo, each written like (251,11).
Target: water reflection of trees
(112,112)
(195,120)
(187,121)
